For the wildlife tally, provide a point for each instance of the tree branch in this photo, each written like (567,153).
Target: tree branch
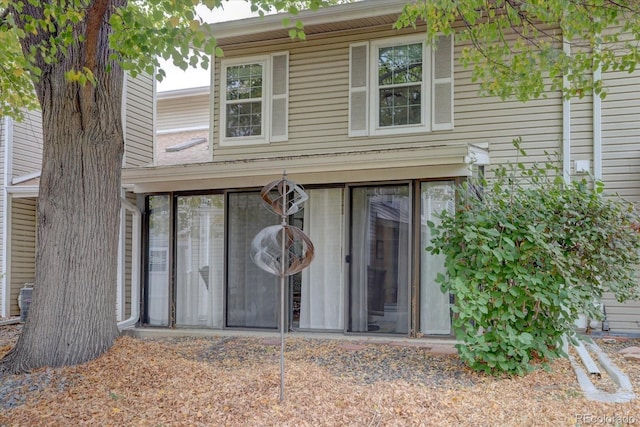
(95,16)
(4,14)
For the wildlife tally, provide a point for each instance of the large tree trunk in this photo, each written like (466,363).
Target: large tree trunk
(72,318)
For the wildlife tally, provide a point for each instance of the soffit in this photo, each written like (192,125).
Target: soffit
(349,166)
(310,30)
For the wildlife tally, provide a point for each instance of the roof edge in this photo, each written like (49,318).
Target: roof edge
(179,93)
(343,12)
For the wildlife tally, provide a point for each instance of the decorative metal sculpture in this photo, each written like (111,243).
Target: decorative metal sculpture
(266,250)
(283,249)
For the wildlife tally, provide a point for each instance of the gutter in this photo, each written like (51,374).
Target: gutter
(135,267)
(330,14)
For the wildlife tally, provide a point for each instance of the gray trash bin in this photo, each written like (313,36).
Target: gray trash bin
(25,302)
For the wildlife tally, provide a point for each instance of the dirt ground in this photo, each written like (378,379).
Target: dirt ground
(234,381)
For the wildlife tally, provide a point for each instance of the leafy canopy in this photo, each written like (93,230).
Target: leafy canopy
(515,48)
(142,31)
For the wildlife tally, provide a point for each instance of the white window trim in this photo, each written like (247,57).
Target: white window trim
(265,60)
(425,126)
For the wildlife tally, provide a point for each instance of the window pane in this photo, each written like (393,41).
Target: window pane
(244,119)
(400,64)
(400,98)
(157,300)
(252,294)
(244,100)
(435,314)
(400,106)
(200,260)
(244,82)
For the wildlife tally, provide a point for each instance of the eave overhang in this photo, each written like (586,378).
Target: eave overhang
(443,161)
(350,16)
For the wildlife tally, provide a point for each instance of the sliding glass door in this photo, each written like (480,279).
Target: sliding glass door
(189,250)
(379,271)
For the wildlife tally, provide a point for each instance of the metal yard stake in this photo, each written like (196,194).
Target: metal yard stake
(273,250)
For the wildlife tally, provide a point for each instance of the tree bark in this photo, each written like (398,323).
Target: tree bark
(72,318)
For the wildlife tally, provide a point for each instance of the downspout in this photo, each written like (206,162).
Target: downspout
(597,126)
(597,152)
(135,266)
(120,291)
(6,294)
(566,122)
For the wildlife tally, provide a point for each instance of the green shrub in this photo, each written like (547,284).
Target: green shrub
(525,255)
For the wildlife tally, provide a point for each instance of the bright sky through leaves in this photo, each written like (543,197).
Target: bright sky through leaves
(197,77)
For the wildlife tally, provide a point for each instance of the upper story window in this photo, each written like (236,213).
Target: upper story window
(400,74)
(244,99)
(400,85)
(254,100)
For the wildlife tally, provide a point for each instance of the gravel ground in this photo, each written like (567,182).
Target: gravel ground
(363,363)
(234,381)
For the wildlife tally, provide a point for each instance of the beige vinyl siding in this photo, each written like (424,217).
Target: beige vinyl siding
(128,255)
(23,247)
(621,168)
(27,145)
(581,132)
(623,317)
(620,135)
(138,121)
(318,108)
(178,114)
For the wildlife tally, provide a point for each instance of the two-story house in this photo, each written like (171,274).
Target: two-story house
(378,127)
(20,165)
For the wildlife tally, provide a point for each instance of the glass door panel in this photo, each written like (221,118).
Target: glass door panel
(435,314)
(320,303)
(379,273)
(199,260)
(252,294)
(157,297)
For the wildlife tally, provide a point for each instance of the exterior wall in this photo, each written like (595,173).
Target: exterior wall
(318,107)
(23,247)
(138,121)
(194,154)
(318,126)
(621,168)
(182,116)
(581,133)
(27,145)
(176,114)
(128,242)
(26,159)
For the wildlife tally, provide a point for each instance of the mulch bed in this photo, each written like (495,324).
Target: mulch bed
(234,381)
